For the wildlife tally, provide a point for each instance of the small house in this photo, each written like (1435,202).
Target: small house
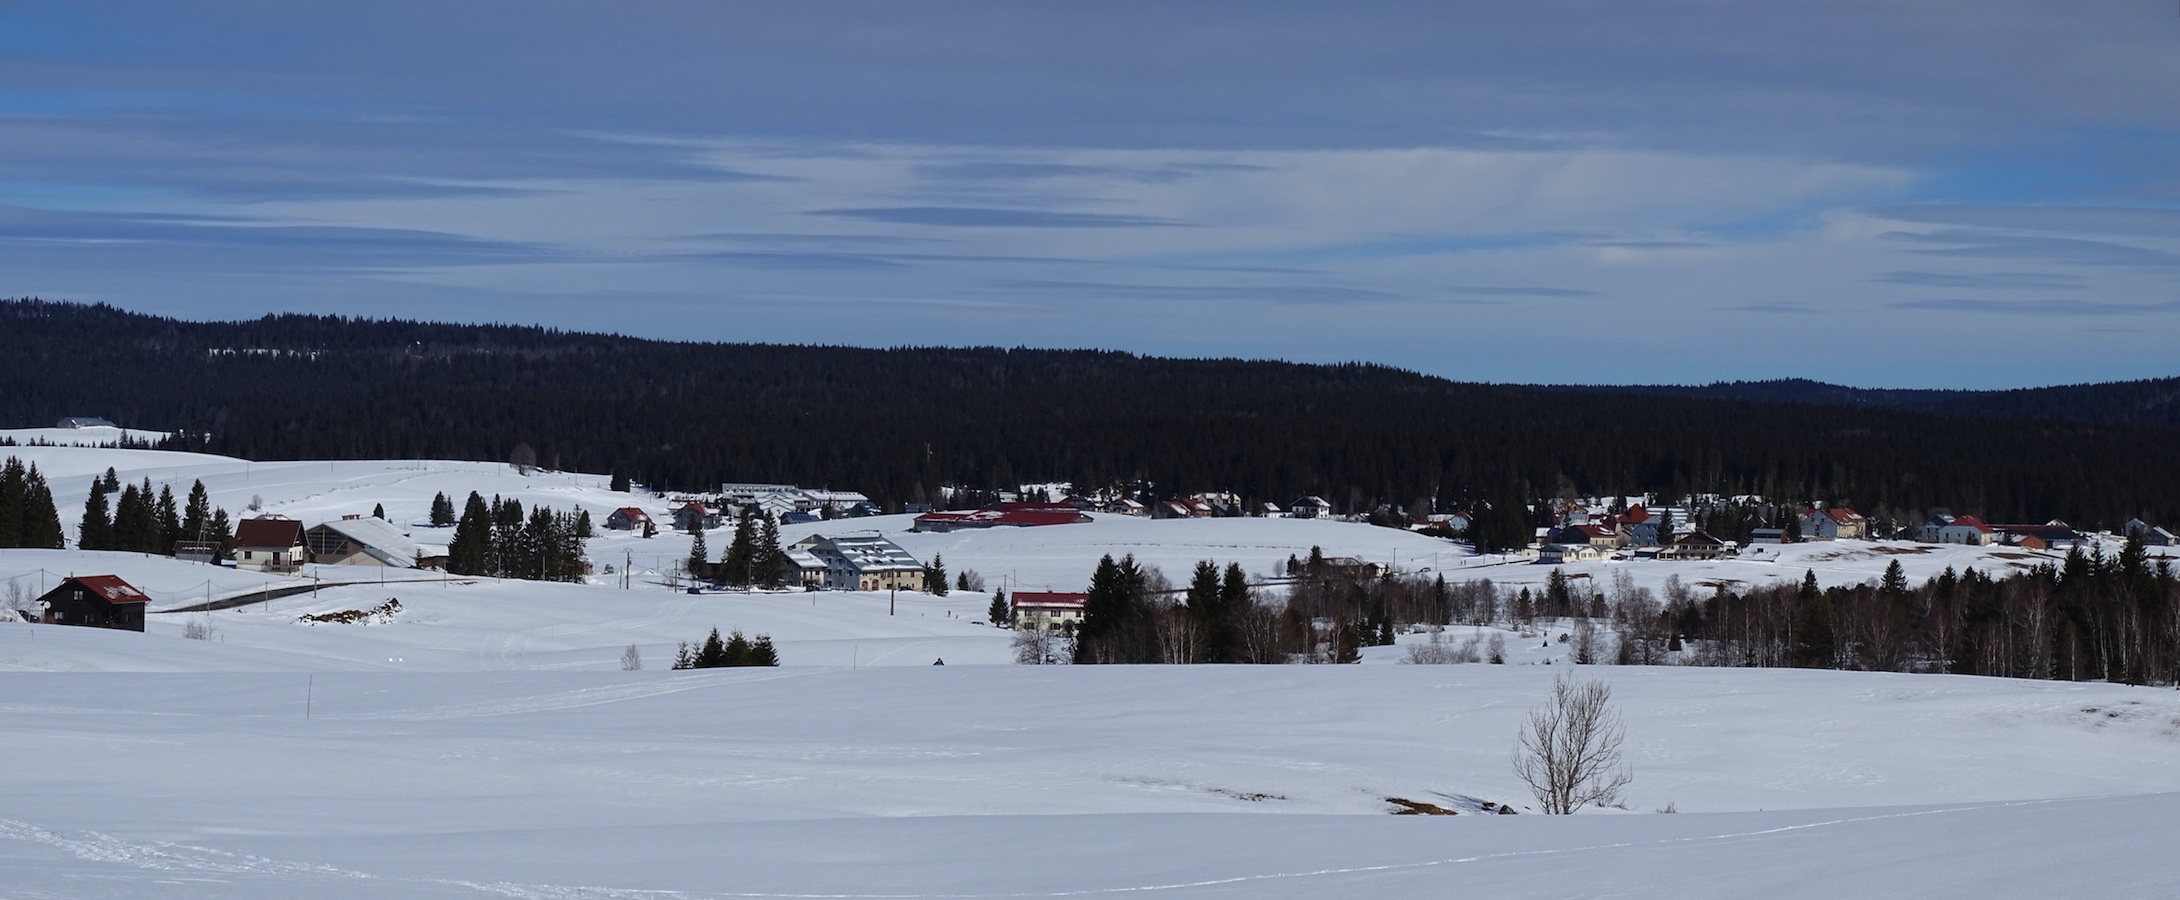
(1311,507)
(1556,554)
(87,422)
(269,543)
(800,567)
(1050,612)
(95,601)
(1696,545)
(1833,523)
(1767,536)
(1171,509)
(2151,535)
(694,515)
(627,518)
(1932,530)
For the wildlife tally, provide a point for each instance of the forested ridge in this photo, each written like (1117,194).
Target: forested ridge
(899,423)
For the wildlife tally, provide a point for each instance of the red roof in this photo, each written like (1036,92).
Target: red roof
(110,588)
(1049,600)
(1635,515)
(1971,522)
(268,532)
(1843,515)
(1041,515)
(633,514)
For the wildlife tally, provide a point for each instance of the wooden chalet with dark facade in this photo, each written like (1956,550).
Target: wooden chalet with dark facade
(95,601)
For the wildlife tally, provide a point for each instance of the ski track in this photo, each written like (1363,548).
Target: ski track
(98,847)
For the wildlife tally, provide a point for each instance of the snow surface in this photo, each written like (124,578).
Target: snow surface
(484,742)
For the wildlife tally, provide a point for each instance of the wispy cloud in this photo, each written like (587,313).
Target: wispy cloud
(1271,293)
(2041,308)
(1984,280)
(985,217)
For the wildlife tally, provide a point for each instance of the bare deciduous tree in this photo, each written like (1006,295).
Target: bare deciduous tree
(198,629)
(1034,648)
(631,659)
(1569,752)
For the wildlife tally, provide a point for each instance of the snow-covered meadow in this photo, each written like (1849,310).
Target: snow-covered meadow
(486,743)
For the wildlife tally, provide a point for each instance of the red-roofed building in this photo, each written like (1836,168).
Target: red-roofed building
(1833,523)
(627,518)
(1048,611)
(269,544)
(1003,515)
(1967,530)
(1594,535)
(95,601)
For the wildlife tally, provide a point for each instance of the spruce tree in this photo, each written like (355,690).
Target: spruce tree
(41,520)
(762,653)
(378,511)
(699,556)
(1204,614)
(771,560)
(619,481)
(170,522)
(999,612)
(223,534)
(96,530)
(740,561)
(934,576)
(197,514)
(470,552)
(442,511)
(14,488)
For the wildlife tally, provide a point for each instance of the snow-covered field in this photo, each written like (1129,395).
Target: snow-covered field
(485,743)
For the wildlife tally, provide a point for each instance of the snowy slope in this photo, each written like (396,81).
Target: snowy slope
(991,781)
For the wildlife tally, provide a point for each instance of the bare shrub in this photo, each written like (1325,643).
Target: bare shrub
(1440,652)
(1034,648)
(1497,651)
(631,659)
(198,629)
(1569,752)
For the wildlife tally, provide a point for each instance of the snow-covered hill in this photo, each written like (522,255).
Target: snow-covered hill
(483,742)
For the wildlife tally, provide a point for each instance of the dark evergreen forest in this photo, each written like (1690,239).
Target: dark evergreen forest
(899,423)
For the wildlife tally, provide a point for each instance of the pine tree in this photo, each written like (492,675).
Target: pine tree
(170,522)
(96,530)
(132,517)
(1204,614)
(999,612)
(197,514)
(41,520)
(762,653)
(934,576)
(740,562)
(736,651)
(699,556)
(14,488)
(619,481)
(442,511)
(1894,586)
(771,560)
(378,511)
(470,552)
(223,534)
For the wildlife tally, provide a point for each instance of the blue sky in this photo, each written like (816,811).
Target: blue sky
(1938,194)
